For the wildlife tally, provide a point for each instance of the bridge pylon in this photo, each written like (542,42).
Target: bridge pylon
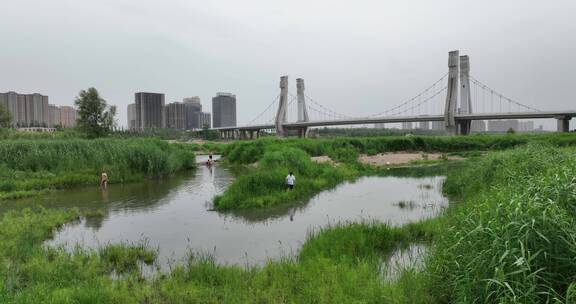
(282,107)
(451,94)
(464,126)
(302,111)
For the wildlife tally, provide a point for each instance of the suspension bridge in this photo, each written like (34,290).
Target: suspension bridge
(455,100)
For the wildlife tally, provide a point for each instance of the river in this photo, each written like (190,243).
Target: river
(175,214)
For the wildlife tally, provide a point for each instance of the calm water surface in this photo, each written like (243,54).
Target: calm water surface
(174,215)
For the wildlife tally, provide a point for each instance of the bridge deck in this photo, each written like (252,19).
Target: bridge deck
(399,119)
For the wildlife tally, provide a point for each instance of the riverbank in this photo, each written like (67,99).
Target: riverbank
(510,239)
(32,167)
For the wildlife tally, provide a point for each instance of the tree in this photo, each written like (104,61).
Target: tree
(511,131)
(205,131)
(5,117)
(95,117)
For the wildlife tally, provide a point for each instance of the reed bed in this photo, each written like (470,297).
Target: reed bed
(514,238)
(30,166)
(346,148)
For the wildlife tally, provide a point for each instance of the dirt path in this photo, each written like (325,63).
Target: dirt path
(322,159)
(400,158)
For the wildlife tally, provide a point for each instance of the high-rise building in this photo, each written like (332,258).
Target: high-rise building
(502,125)
(424,125)
(53,115)
(526,126)
(26,109)
(204,119)
(10,102)
(478,126)
(193,108)
(149,110)
(68,117)
(438,125)
(175,115)
(131,116)
(224,110)
(379,126)
(407,125)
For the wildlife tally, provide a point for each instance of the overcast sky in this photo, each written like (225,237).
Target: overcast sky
(358,57)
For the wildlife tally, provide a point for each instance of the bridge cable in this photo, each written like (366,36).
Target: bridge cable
(492,92)
(264,112)
(406,102)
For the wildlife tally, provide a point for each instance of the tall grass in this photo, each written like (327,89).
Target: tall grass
(35,165)
(514,240)
(32,273)
(266,185)
(346,148)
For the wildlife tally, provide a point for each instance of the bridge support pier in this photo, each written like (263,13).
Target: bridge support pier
(303,132)
(563,123)
(255,134)
(464,127)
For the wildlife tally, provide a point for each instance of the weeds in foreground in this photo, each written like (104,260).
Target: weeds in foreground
(339,264)
(513,241)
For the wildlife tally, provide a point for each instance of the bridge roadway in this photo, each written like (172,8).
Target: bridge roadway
(563,118)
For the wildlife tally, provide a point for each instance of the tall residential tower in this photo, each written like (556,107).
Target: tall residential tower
(224,110)
(193,109)
(149,110)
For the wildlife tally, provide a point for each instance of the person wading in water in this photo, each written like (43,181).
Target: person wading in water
(104,180)
(290,179)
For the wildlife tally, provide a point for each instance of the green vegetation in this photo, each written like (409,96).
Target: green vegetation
(510,239)
(170,134)
(95,117)
(5,117)
(337,265)
(250,151)
(264,185)
(30,167)
(513,241)
(369,132)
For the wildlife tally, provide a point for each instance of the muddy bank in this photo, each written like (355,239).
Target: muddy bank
(401,158)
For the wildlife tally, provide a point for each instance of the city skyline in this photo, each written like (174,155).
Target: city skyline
(150,110)
(375,58)
(35,110)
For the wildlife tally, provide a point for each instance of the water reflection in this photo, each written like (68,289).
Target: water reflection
(402,259)
(144,196)
(174,214)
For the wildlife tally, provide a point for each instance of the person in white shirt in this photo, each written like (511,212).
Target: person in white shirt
(290,179)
